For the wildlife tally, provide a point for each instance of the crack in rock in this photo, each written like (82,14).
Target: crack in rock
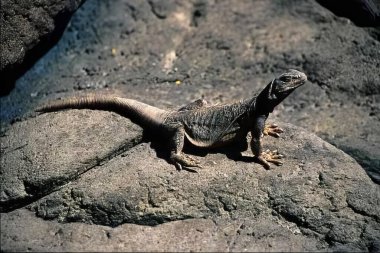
(46,187)
(44,169)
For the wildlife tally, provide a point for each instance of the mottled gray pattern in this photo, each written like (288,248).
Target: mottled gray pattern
(208,126)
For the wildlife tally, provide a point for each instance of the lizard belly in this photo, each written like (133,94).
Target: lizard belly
(212,127)
(197,142)
(204,140)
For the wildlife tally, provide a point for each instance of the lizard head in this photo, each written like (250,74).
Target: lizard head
(287,82)
(279,88)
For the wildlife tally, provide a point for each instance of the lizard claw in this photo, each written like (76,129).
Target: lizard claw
(270,157)
(272,130)
(184,162)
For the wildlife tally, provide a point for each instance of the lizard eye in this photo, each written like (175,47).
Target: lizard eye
(285,78)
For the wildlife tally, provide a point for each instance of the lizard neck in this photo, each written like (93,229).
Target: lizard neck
(265,103)
(257,107)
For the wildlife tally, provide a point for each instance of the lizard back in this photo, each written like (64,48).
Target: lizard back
(214,125)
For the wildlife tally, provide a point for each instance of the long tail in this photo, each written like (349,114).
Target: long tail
(141,113)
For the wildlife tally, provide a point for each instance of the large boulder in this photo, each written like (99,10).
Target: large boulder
(28,29)
(86,181)
(168,53)
(89,180)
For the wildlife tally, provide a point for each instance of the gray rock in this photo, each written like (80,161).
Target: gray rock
(28,30)
(222,53)
(31,158)
(315,201)
(81,195)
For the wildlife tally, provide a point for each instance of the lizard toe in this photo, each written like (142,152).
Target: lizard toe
(181,160)
(272,130)
(270,157)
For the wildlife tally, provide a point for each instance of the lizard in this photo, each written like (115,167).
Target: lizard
(203,125)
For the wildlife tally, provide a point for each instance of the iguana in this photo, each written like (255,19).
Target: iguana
(203,125)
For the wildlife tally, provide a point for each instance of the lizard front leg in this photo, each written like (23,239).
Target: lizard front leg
(272,130)
(179,159)
(256,145)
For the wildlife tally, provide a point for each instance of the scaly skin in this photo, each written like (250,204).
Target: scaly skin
(202,124)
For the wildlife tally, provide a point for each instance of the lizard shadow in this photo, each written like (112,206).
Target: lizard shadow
(232,151)
(161,148)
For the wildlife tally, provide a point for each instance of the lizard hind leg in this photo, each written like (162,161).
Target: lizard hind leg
(272,130)
(180,160)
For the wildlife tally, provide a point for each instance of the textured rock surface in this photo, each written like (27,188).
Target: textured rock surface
(67,169)
(222,52)
(320,199)
(31,158)
(28,30)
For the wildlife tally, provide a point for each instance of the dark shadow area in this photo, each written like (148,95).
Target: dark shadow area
(11,73)
(362,12)
(232,151)
(370,164)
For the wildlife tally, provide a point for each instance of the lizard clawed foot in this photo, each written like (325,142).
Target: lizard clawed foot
(184,162)
(272,130)
(269,156)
